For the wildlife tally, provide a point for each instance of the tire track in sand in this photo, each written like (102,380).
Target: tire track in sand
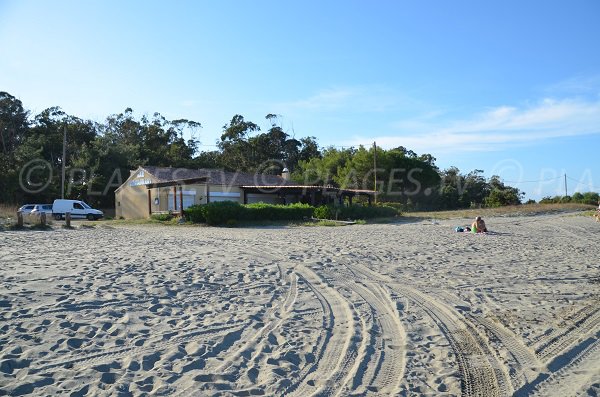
(526,364)
(569,373)
(587,321)
(480,371)
(382,371)
(388,365)
(328,375)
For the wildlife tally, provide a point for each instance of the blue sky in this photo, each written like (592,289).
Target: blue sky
(511,87)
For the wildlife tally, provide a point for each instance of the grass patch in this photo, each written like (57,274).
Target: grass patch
(234,224)
(145,221)
(36,226)
(15,227)
(323,222)
(162,217)
(257,223)
(39,226)
(508,211)
(8,211)
(591,213)
(379,221)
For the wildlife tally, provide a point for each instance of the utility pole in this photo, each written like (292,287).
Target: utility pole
(375,167)
(566,194)
(63,161)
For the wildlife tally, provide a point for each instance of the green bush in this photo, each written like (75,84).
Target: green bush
(230,212)
(220,212)
(196,214)
(325,212)
(162,217)
(278,212)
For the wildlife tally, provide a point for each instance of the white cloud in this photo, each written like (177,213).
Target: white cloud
(495,129)
(356,99)
(327,99)
(578,85)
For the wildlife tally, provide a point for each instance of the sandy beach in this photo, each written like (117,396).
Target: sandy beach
(408,309)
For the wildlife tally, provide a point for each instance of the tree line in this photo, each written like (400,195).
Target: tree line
(100,156)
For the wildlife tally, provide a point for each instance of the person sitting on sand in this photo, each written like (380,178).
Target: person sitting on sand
(598,212)
(478,226)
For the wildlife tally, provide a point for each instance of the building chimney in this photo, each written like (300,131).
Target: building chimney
(285,174)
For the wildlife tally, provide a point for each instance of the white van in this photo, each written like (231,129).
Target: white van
(78,209)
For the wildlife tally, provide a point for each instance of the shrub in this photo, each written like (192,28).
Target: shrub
(195,214)
(220,212)
(502,197)
(277,212)
(230,212)
(162,217)
(325,212)
(590,198)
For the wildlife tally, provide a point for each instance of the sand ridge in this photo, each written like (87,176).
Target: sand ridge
(397,309)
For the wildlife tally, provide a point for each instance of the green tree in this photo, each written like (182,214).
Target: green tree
(323,170)
(14,127)
(590,198)
(236,151)
(501,195)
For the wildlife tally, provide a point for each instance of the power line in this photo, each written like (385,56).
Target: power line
(584,184)
(536,181)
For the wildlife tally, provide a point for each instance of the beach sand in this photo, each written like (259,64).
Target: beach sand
(409,309)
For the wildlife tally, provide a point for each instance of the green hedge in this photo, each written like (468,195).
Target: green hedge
(355,212)
(195,214)
(277,212)
(228,212)
(221,212)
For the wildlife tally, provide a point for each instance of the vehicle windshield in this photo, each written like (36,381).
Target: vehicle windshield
(85,205)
